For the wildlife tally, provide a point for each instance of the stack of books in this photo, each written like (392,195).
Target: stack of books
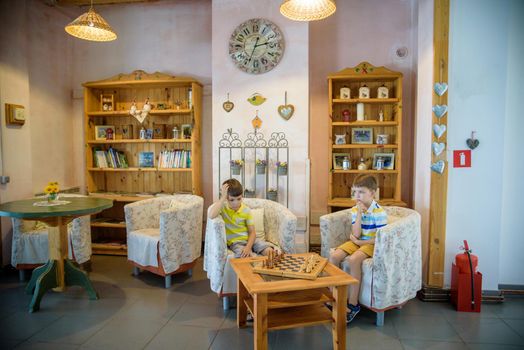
(177,158)
(110,159)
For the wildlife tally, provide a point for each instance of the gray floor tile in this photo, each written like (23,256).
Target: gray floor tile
(180,337)
(452,315)
(516,324)
(474,346)
(6,344)
(200,315)
(411,344)
(22,325)
(46,346)
(511,308)
(487,330)
(315,337)
(364,334)
(431,327)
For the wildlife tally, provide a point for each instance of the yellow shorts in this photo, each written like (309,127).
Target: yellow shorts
(350,247)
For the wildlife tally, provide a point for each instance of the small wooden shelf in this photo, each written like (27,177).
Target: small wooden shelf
(103,142)
(348,202)
(367,100)
(126,113)
(366,123)
(358,146)
(121,197)
(356,171)
(109,248)
(107,224)
(140,169)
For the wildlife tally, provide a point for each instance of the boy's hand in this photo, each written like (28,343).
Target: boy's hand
(246,252)
(360,207)
(354,239)
(223,192)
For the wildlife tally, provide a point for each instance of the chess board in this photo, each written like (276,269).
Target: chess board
(289,266)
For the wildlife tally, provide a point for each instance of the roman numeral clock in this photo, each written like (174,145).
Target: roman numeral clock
(256,46)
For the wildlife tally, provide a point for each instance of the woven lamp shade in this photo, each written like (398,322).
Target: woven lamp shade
(307,10)
(91,26)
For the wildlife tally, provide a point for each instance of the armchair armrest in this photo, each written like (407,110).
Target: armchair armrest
(286,229)
(397,261)
(215,252)
(335,229)
(142,214)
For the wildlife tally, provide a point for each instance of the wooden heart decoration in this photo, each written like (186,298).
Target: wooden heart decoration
(438,147)
(439,130)
(440,88)
(472,143)
(440,110)
(286,111)
(228,106)
(438,167)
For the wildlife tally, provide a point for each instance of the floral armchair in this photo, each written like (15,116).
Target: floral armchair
(164,234)
(394,274)
(30,248)
(279,226)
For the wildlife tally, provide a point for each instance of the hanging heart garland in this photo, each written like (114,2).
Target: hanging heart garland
(440,110)
(228,105)
(438,147)
(438,167)
(472,142)
(286,110)
(440,88)
(439,130)
(140,115)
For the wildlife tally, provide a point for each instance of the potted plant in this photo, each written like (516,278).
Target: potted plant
(261,166)
(51,191)
(272,194)
(236,165)
(281,168)
(249,193)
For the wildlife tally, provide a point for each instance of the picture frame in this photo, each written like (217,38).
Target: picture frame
(363,136)
(127,131)
(187,129)
(338,158)
(14,114)
(146,159)
(389,160)
(101,131)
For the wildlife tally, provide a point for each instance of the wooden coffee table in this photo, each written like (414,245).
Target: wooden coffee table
(280,303)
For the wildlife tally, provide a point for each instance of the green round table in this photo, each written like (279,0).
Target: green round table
(58,272)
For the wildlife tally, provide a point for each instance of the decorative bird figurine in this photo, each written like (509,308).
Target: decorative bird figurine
(256,99)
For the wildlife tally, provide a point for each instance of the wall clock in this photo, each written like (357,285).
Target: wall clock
(256,46)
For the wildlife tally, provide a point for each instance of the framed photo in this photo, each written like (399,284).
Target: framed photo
(338,158)
(146,159)
(14,114)
(102,132)
(362,135)
(387,158)
(186,130)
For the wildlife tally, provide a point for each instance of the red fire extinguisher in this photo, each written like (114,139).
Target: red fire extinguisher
(464,272)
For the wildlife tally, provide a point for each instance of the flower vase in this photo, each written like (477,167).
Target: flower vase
(282,170)
(261,169)
(51,197)
(235,170)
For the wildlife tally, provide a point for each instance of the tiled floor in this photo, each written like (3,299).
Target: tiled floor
(138,313)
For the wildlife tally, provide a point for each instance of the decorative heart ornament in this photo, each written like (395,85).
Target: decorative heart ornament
(438,147)
(438,167)
(228,106)
(440,88)
(286,111)
(472,143)
(439,130)
(440,110)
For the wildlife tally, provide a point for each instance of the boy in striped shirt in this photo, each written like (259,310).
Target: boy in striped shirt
(366,218)
(240,229)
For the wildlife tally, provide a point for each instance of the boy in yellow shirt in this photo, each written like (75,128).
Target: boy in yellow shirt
(240,229)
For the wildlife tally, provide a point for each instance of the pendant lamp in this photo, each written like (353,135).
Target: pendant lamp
(91,26)
(307,10)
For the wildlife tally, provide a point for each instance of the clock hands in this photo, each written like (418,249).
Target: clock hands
(253,51)
(261,44)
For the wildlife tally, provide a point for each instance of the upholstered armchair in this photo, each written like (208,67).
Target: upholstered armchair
(277,225)
(394,274)
(30,241)
(164,234)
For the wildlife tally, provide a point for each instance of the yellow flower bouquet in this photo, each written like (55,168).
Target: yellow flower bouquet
(51,190)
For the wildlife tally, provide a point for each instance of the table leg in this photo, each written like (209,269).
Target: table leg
(242,294)
(57,236)
(77,277)
(260,306)
(30,288)
(339,316)
(45,281)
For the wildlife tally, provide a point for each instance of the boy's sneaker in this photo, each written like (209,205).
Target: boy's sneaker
(353,311)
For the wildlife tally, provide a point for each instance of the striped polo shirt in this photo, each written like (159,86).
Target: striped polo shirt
(236,223)
(372,219)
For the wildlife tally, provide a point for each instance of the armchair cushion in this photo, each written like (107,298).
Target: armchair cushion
(258,218)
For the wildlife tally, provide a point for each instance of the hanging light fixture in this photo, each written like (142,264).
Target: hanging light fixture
(307,10)
(91,26)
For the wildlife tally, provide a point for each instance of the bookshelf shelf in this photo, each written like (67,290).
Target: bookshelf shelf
(108,142)
(367,100)
(359,146)
(141,169)
(125,113)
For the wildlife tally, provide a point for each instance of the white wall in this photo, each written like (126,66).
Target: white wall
(290,75)
(479,100)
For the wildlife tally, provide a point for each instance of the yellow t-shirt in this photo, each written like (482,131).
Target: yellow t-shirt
(236,222)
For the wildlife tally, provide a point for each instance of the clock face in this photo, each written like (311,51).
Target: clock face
(256,46)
